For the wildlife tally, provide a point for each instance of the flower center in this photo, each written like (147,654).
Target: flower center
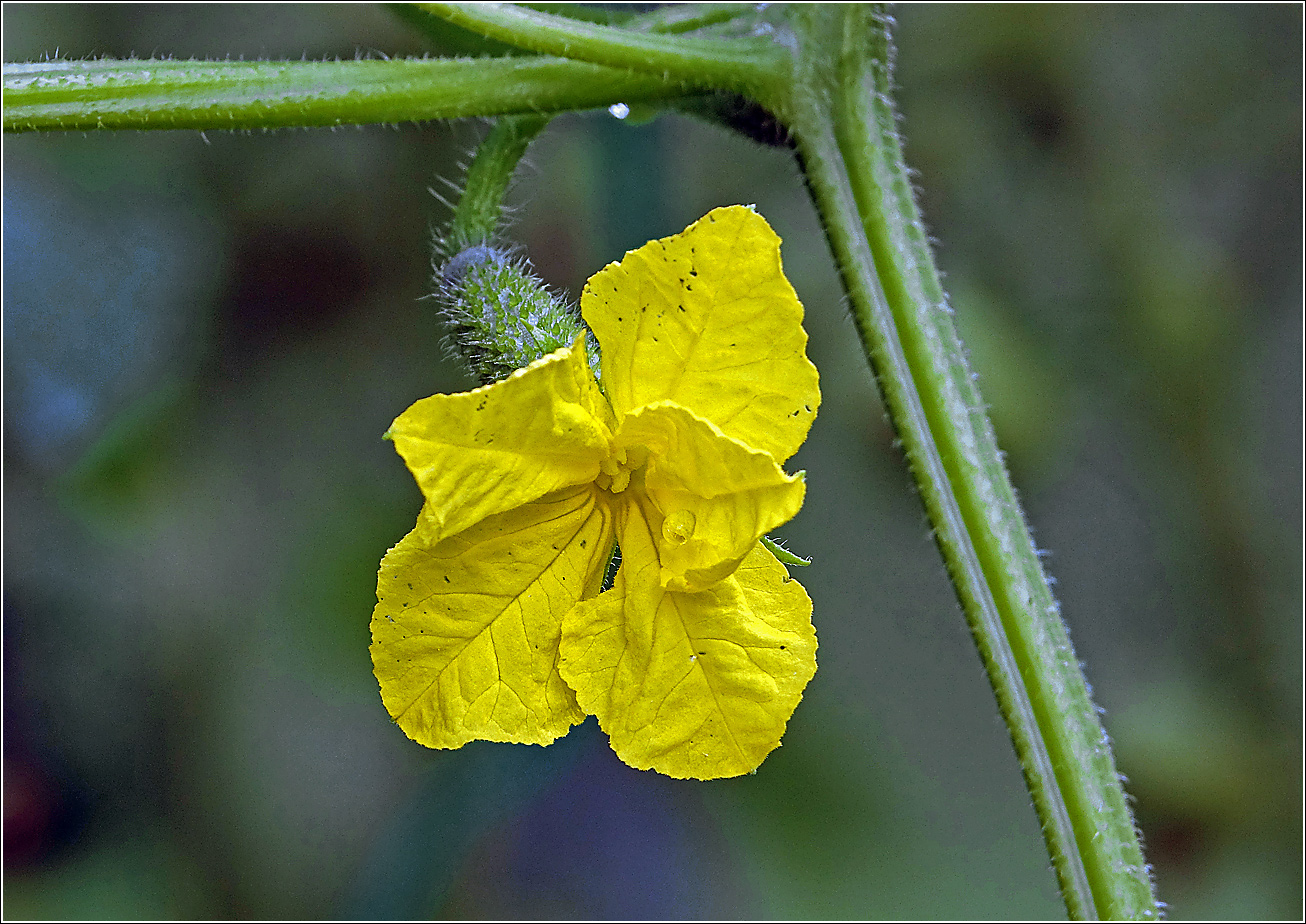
(616,469)
(678,527)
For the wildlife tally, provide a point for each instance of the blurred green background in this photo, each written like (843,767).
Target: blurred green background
(206,336)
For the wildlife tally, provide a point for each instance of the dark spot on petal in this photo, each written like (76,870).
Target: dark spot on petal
(446,579)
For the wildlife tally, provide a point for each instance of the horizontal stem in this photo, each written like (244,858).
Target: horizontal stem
(686,17)
(740,64)
(209,95)
(667,19)
(583,13)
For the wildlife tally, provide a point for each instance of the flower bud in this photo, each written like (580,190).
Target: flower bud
(501,316)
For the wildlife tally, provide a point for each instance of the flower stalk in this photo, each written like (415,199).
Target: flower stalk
(501,316)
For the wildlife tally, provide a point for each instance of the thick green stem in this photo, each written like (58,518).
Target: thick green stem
(841,114)
(210,95)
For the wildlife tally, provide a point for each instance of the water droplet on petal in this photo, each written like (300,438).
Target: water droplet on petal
(678,527)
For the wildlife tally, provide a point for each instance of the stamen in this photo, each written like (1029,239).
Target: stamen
(614,473)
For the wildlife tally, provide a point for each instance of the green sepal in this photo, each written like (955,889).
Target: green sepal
(784,555)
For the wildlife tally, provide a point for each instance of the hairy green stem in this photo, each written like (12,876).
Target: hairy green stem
(842,116)
(481,205)
(211,95)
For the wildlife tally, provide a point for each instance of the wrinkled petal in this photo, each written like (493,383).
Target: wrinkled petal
(483,452)
(465,631)
(708,498)
(706,319)
(692,685)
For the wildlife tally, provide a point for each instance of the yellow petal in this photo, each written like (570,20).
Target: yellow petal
(692,685)
(483,452)
(706,319)
(708,498)
(465,631)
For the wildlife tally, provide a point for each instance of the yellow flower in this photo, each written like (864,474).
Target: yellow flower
(490,623)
